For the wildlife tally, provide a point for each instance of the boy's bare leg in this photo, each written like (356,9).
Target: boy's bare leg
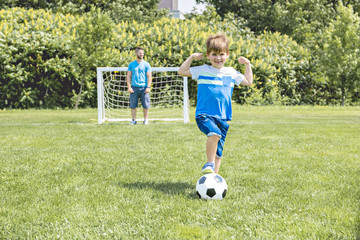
(217,164)
(211,147)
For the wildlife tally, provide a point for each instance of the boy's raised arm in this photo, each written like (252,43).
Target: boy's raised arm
(248,80)
(184,69)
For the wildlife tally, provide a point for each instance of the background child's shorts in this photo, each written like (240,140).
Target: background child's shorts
(139,92)
(213,126)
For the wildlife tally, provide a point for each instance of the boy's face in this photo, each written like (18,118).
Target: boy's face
(218,59)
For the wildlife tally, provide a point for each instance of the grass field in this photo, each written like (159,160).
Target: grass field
(292,173)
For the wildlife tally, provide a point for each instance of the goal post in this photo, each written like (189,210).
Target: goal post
(169,99)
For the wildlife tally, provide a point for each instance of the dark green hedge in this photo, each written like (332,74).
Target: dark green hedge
(38,67)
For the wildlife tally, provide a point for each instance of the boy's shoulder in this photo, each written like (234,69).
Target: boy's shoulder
(205,67)
(227,70)
(209,71)
(208,68)
(201,66)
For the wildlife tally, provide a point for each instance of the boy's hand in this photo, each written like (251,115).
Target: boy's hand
(243,60)
(130,90)
(197,56)
(184,69)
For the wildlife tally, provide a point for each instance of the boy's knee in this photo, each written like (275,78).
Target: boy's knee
(214,136)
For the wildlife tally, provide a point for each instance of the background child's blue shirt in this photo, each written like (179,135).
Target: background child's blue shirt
(215,89)
(138,73)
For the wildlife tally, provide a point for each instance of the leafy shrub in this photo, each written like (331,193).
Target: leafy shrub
(40,62)
(36,61)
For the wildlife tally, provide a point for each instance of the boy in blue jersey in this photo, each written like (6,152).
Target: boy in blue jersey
(215,87)
(139,80)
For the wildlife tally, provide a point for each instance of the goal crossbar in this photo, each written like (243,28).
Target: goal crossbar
(169,95)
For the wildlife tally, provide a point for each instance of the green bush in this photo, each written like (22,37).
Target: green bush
(40,65)
(36,69)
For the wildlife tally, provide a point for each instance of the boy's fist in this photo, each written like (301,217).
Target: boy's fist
(243,60)
(197,56)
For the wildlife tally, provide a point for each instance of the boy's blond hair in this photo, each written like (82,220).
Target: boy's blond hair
(217,43)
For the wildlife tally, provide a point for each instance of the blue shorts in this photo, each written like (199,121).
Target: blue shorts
(213,126)
(139,92)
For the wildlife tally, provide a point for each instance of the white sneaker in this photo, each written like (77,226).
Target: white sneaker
(146,122)
(133,122)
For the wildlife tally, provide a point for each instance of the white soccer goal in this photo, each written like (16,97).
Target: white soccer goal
(168,98)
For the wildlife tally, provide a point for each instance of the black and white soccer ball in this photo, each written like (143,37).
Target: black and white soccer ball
(211,186)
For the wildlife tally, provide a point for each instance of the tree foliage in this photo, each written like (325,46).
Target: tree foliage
(299,19)
(340,52)
(94,39)
(142,11)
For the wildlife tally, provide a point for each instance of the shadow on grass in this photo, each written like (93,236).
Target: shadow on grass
(171,188)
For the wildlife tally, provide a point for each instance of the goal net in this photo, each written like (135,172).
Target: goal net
(168,96)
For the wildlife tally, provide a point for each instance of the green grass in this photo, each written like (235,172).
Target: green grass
(292,173)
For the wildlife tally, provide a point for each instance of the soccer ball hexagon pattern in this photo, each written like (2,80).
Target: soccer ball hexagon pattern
(211,186)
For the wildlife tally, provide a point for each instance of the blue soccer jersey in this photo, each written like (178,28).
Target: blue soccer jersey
(138,73)
(215,89)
